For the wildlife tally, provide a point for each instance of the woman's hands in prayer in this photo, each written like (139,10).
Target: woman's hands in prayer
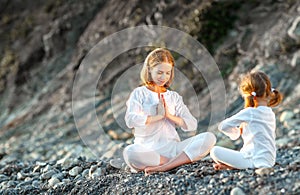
(177,120)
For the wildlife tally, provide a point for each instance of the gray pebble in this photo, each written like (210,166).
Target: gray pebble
(237,191)
(75,171)
(53,181)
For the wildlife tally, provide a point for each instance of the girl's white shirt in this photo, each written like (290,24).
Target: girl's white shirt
(259,126)
(142,103)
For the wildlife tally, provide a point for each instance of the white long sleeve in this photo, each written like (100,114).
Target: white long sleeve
(142,103)
(135,116)
(258,134)
(183,112)
(230,126)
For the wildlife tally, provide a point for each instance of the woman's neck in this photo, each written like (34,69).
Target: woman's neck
(156,88)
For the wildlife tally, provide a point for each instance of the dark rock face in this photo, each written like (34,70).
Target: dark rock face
(42,46)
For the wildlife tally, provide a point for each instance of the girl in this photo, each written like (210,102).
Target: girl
(153,111)
(255,123)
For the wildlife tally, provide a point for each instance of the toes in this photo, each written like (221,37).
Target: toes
(217,166)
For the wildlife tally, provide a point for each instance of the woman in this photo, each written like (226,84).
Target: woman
(154,111)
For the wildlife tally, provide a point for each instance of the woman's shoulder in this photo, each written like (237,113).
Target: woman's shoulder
(174,95)
(139,91)
(171,93)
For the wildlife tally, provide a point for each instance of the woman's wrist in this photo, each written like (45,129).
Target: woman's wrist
(151,119)
(177,120)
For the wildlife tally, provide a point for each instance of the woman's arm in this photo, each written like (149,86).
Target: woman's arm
(152,119)
(177,120)
(135,116)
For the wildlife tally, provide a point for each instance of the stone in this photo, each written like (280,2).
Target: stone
(53,181)
(20,176)
(286,115)
(264,171)
(98,172)
(294,30)
(237,191)
(85,173)
(117,163)
(48,174)
(35,183)
(181,172)
(75,171)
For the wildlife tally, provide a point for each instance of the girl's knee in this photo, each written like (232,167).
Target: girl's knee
(215,152)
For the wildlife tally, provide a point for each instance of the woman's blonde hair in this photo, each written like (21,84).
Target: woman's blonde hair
(157,56)
(258,84)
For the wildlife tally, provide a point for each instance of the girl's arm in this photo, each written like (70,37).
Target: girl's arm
(233,126)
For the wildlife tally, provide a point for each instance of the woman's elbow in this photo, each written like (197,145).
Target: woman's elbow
(191,126)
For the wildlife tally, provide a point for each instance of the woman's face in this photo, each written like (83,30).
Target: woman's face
(161,73)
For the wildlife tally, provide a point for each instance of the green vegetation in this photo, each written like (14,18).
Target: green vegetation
(21,28)
(216,22)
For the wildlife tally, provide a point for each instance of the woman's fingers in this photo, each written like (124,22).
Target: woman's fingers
(163,100)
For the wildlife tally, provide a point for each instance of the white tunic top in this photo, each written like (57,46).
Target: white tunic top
(258,134)
(142,103)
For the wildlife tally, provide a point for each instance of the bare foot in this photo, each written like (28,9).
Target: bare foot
(220,166)
(150,170)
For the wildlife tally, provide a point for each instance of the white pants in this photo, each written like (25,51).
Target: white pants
(196,147)
(230,157)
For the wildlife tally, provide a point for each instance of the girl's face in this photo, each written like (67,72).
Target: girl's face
(161,73)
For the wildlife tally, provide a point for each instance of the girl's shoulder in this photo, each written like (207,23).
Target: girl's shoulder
(257,110)
(262,108)
(246,110)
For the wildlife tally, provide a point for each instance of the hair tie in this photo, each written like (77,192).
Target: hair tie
(272,89)
(253,93)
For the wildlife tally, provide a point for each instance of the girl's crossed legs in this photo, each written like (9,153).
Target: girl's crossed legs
(229,159)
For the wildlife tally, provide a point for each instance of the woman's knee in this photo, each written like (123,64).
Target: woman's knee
(128,153)
(211,137)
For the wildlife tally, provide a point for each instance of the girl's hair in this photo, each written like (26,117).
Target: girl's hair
(157,56)
(258,84)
